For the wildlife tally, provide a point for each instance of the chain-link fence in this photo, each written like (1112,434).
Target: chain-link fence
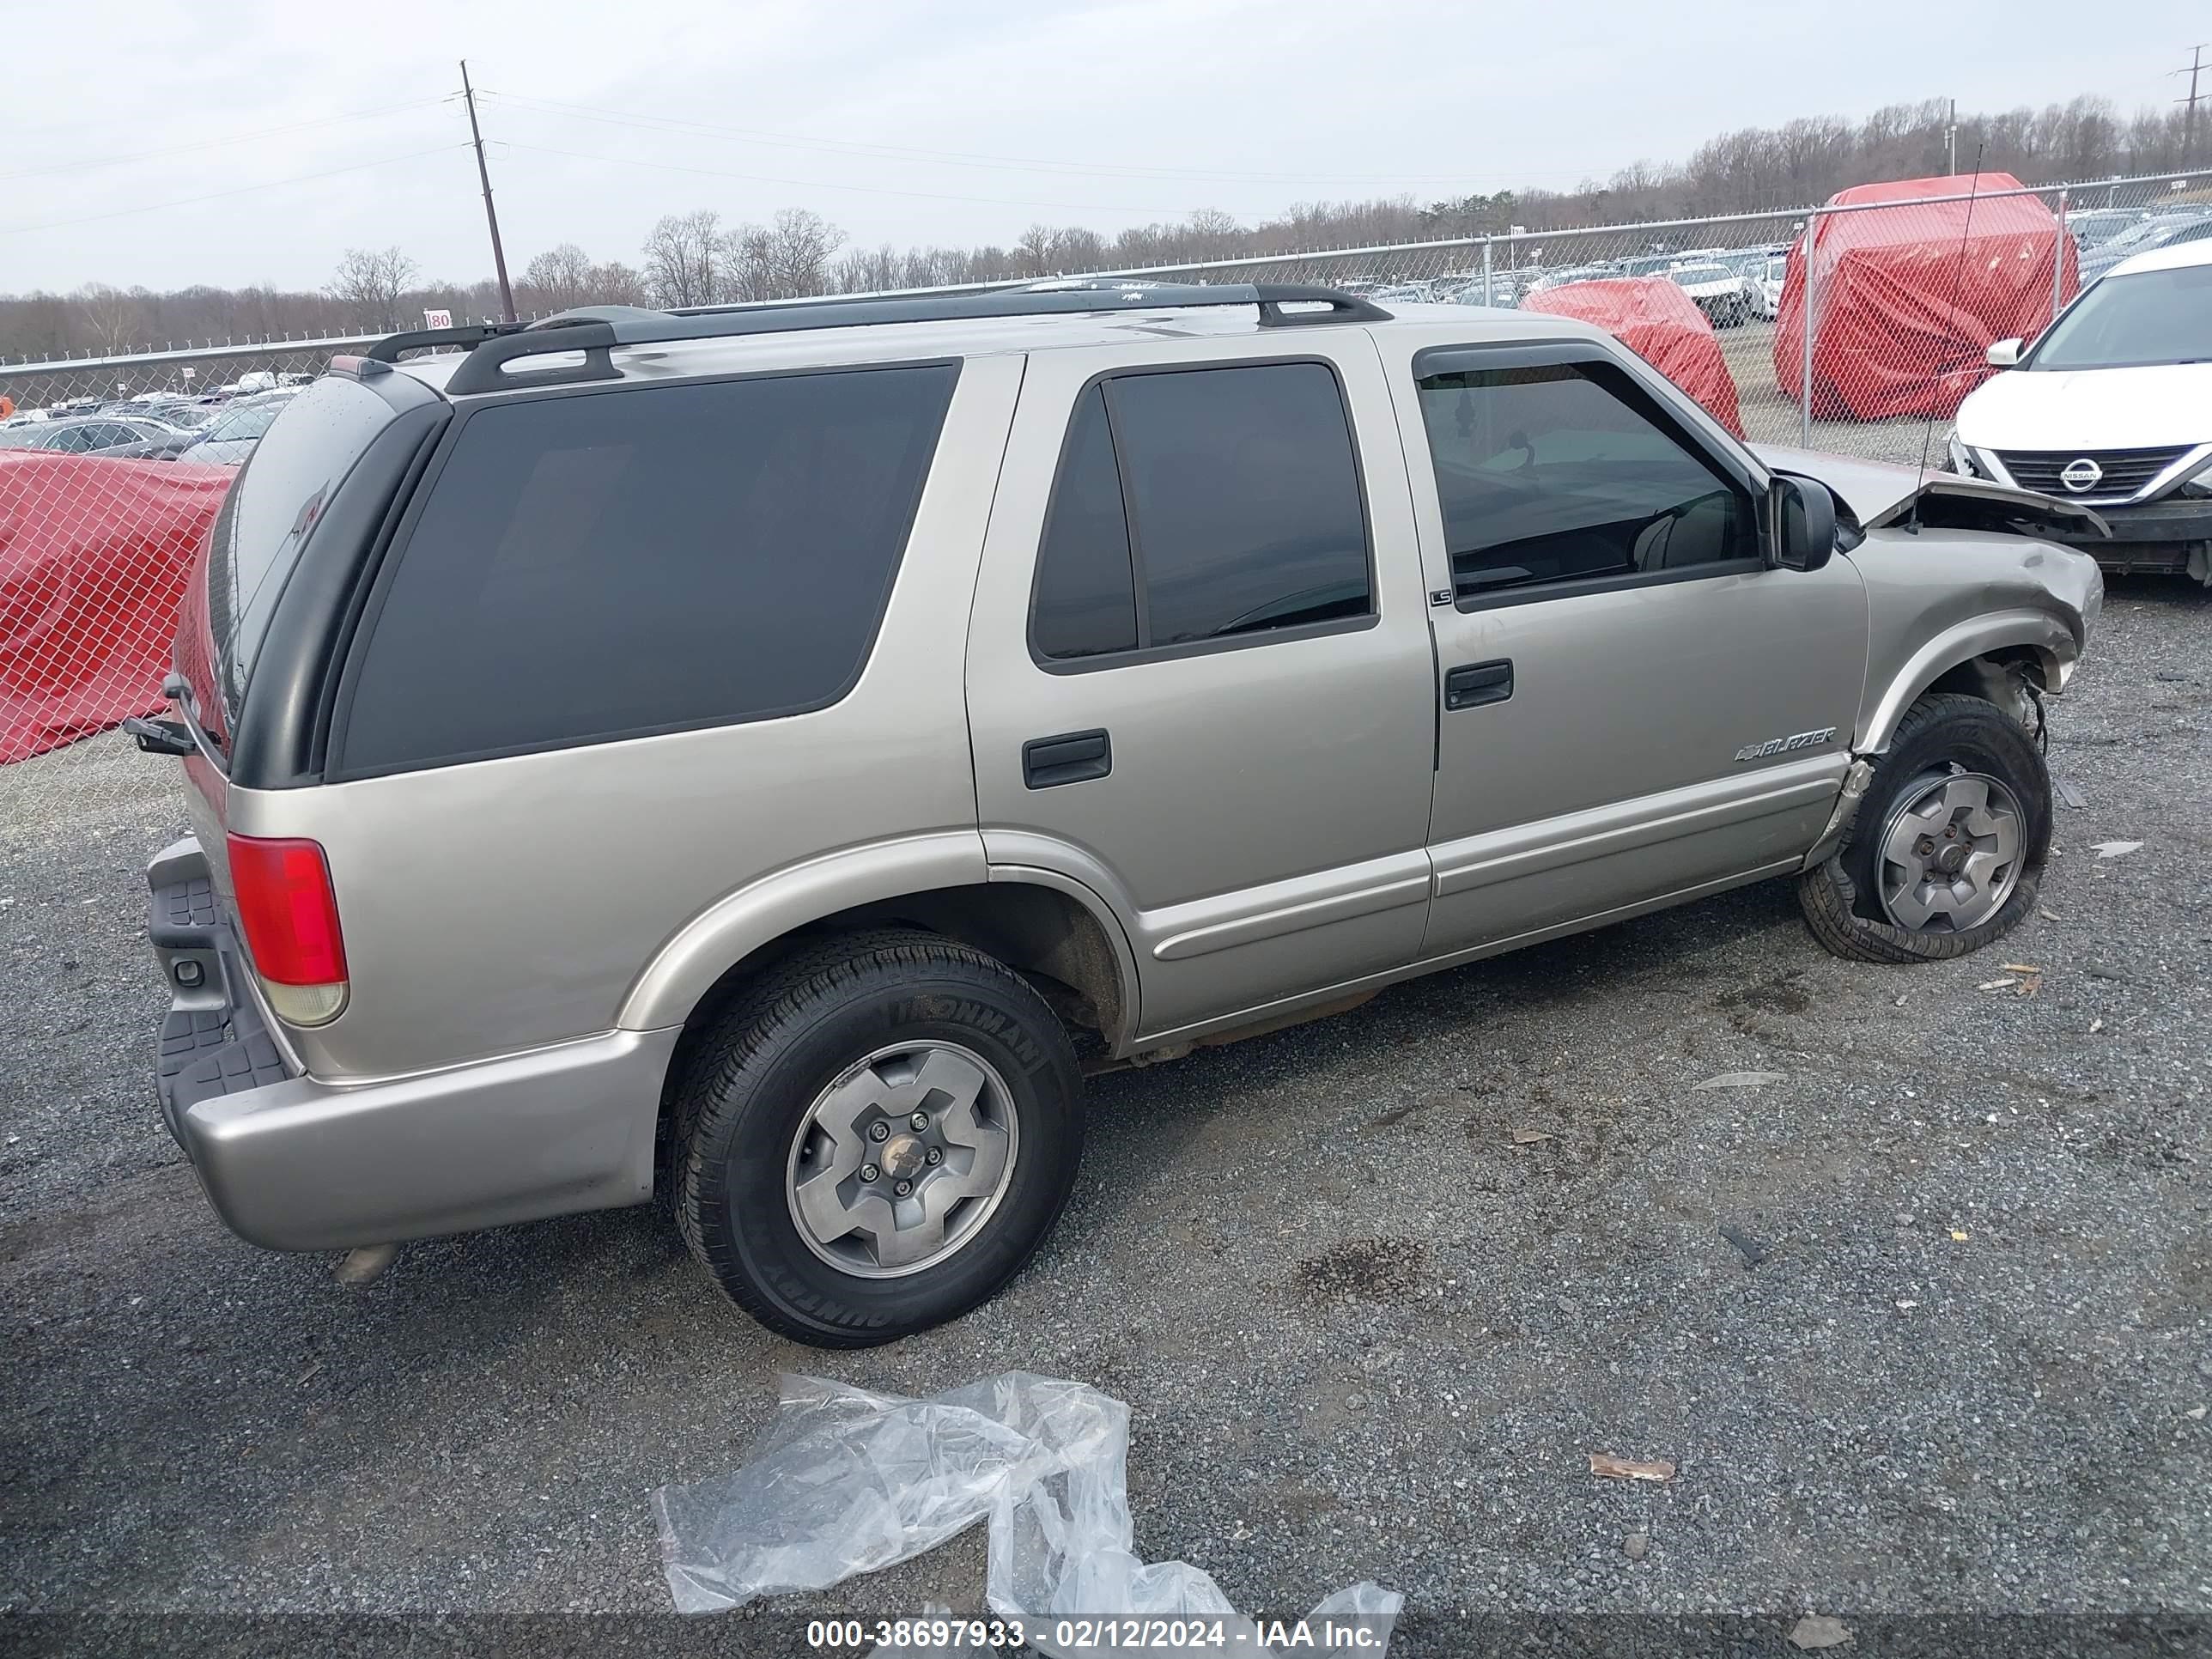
(1907,290)
(1856,327)
(93,553)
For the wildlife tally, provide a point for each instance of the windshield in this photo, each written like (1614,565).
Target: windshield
(2151,230)
(180,415)
(1687,274)
(250,422)
(2130,322)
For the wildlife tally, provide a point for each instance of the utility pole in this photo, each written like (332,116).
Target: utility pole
(491,218)
(2196,65)
(1951,139)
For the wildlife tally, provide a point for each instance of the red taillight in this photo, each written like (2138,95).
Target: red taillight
(291,920)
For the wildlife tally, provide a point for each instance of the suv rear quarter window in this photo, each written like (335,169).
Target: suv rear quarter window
(612,564)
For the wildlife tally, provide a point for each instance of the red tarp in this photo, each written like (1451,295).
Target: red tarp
(94,554)
(1908,299)
(1660,324)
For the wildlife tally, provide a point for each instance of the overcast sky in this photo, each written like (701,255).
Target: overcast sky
(159,143)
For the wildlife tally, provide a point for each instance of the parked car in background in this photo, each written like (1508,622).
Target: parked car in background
(228,438)
(1588,273)
(2111,407)
(2160,230)
(97,434)
(2094,227)
(1763,285)
(164,448)
(1723,296)
(181,412)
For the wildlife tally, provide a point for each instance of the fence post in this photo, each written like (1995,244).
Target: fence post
(1485,271)
(2058,260)
(1805,387)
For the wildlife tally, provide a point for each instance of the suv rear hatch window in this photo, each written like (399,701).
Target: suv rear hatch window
(280,494)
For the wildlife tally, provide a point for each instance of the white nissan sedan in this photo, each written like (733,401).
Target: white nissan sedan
(2111,407)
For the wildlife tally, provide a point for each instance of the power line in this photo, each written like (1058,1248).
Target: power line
(218,143)
(242,190)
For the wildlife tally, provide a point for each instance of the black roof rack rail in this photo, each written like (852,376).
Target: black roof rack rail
(596,331)
(388,349)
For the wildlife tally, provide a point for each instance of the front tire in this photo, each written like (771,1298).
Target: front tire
(876,1137)
(1946,853)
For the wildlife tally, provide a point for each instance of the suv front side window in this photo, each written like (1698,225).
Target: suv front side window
(1568,473)
(1199,505)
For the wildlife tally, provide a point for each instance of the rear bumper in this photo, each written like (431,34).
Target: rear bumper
(2158,536)
(293,1163)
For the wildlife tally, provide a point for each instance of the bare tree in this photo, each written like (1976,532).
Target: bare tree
(118,319)
(752,263)
(687,258)
(867,271)
(1077,248)
(799,243)
(558,278)
(1212,234)
(369,281)
(615,283)
(1034,250)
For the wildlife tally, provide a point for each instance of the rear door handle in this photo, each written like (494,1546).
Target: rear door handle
(1476,683)
(1071,758)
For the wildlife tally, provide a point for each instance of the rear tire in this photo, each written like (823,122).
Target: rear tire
(1943,738)
(811,1079)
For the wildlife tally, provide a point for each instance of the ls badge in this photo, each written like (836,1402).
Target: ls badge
(1784,745)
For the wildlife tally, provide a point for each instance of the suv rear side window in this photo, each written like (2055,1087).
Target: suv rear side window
(618,564)
(1565,472)
(1197,505)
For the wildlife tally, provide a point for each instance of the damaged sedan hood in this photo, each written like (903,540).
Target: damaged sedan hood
(1876,494)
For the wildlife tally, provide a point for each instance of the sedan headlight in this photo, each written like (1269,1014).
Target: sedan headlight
(1962,459)
(2199,483)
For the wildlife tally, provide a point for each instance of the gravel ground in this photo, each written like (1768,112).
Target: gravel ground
(1923,1325)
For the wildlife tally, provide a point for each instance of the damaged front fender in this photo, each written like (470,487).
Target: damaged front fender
(1847,809)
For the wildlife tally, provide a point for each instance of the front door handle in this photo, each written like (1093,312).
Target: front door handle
(1071,758)
(1476,683)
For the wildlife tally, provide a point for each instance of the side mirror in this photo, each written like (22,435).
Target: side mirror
(1804,524)
(2003,355)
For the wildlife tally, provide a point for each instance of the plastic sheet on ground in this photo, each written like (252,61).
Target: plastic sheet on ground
(845,1481)
(1660,324)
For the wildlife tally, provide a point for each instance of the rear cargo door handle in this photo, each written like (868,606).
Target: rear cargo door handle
(1071,758)
(1475,682)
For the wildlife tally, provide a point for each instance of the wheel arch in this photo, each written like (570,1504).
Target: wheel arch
(1975,657)
(1045,925)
